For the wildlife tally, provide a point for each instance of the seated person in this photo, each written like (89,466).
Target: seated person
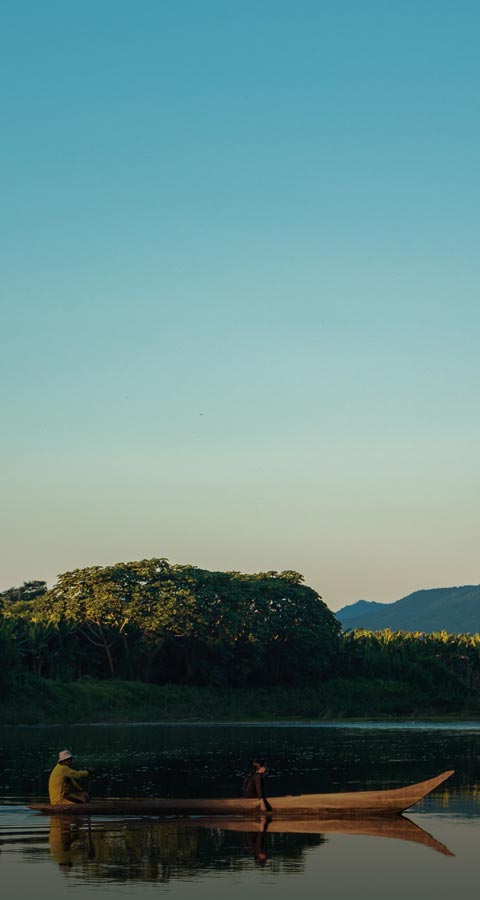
(63,788)
(254,786)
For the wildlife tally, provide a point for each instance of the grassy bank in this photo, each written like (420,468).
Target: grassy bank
(39,701)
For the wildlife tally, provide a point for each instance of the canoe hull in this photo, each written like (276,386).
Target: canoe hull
(352,805)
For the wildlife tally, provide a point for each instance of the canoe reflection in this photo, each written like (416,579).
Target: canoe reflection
(147,850)
(150,850)
(398,827)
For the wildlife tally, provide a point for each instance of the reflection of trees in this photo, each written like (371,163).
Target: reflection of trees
(152,851)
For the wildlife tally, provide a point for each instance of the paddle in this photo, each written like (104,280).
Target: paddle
(91,849)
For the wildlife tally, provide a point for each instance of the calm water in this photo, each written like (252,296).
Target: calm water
(435,853)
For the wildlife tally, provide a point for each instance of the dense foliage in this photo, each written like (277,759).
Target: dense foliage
(444,668)
(163,623)
(151,621)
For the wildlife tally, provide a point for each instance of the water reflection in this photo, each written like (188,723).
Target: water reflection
(255,841)
(159,851)
(397,827)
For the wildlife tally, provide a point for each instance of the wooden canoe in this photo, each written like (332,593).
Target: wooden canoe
(352,805)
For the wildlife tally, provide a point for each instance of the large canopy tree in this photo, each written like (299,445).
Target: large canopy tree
(181,623)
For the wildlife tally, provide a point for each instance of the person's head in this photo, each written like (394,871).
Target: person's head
(65,757)
(259,765)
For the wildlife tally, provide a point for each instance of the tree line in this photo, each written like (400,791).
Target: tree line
(156,622)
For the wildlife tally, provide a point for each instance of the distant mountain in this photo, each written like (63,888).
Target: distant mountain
(351,615)
(454,609)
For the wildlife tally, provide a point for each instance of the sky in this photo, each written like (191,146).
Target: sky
(239,292)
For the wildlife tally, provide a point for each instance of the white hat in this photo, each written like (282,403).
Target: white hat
(63,755)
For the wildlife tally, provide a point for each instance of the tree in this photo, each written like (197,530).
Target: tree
(103,602)
(185,624)
(19,599)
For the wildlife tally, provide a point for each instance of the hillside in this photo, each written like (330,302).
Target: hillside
(453,609)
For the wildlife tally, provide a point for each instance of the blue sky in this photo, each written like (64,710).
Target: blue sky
(239,289)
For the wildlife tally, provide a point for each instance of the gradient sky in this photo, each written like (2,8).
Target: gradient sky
(240,316)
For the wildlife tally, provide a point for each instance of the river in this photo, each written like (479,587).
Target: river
(434,853)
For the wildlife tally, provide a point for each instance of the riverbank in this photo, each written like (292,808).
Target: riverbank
(37,701)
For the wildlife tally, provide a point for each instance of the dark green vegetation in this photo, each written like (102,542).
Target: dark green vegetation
(154,622)
(152,641)
(38,701)
(456,610)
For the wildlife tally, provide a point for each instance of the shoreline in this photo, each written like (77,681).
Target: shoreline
(442,722)
(34,701)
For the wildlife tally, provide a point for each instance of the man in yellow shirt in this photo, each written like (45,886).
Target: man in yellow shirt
(63,788)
